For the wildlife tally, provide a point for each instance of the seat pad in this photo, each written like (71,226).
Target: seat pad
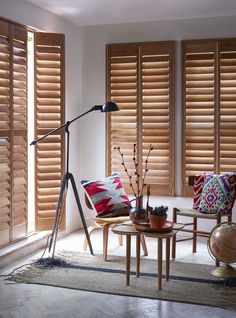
(194,213)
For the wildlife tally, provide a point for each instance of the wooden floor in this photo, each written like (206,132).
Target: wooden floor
(23,301)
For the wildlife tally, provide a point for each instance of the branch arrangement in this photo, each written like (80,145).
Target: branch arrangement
(140,182)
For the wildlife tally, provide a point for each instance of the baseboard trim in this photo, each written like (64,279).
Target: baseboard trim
(28,245)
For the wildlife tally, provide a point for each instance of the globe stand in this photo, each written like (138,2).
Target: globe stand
(224,272)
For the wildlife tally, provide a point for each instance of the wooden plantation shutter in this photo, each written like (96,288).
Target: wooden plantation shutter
(5,128)
(19,150)
(140,80)
(49,101)
(157,117)
(199,104)
(227,101)
(122,89)
(209,107)
(13,132)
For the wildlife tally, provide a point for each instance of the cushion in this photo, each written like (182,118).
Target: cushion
(107,196)
(218,194)
(197,190)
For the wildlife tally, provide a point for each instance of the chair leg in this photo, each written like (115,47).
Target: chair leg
(105,240)
(90,230)
(174,237)
(144,246)
(194,235)
(217,263)
(120,238)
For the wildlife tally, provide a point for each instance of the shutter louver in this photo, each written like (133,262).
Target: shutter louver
(49,95)
(199,104)
(140,80)
(157,73)
(227,100)
(13,132)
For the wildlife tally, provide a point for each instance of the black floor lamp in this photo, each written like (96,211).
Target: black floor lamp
(107,107)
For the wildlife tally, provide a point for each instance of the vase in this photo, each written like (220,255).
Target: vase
(157,221)
(138,213)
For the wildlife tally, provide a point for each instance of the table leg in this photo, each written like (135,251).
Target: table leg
(137,255)
(159,262)
(167,258)
(128,248)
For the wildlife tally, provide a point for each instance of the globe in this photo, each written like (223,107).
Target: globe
(222,245)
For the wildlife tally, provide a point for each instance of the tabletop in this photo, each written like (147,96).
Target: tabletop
(129,229)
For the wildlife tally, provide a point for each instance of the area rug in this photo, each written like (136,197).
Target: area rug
(189,283)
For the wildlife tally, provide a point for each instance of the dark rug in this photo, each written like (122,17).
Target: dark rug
(189,283)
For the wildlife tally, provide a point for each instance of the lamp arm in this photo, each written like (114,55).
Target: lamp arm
(67,124)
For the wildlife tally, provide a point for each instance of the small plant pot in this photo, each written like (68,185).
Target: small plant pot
(157,221)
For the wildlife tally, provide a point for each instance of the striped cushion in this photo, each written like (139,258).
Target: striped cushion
(107,196)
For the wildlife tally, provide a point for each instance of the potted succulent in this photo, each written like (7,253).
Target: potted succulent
(158,216)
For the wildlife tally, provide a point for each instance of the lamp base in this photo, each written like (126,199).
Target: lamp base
(224,272)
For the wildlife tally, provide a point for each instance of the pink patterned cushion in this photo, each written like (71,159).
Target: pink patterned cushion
(218,194)
(107,196)
(197,190)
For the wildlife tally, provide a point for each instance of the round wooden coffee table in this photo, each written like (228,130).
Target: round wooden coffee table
(129,230)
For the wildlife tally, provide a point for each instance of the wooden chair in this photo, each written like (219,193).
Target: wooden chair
(195,215)
(105,224)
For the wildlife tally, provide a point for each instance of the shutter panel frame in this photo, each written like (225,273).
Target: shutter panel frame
(224,112)
(13,132)
(126,51)
(49,114)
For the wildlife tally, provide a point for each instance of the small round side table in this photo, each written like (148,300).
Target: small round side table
(129,231)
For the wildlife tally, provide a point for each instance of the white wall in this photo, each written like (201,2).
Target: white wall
(94,38)
(27,14)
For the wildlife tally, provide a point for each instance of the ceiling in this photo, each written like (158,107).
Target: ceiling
(96,12)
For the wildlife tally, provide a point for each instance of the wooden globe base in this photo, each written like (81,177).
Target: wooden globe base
(224,272)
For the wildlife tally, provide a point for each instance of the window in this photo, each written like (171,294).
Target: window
(49,112)
(140,79)
(209,107)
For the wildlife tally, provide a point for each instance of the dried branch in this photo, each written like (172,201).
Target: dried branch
(126,170)
(140,185)
(146,169)
(135,159)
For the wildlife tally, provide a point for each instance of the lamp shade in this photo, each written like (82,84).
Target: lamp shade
(109,107)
